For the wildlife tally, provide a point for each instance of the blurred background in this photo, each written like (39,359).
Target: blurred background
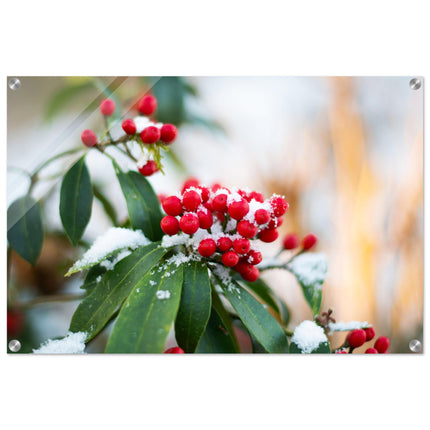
(347,153)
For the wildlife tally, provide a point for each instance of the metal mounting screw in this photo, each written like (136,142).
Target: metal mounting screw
(14,84)
(415,345)
(14,345)
(415,84)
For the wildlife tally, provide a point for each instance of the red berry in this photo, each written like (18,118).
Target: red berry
(209,205)
(172,206)
(219,202)
(341,351)
(168,133)
(215,187)
(371,351)
(207,247)
(269,235)
(149,168)
(170,225)
(89,138)
(356,338)
(220,216)
(241,246)
(189,223)
(254,257)
(249,272)
(174,350)
(247,229)
(280,221)
(224,244)
(150,134)
(256,196)
(261,216)
(191,200)
(230,259)
(309,241)
(382,344)
(273,223)
(107,107)
(190,182)
(370,333)
(205,219)
(129,126)
(291,241)
(279,205)
(205,193)
(239,209)
(15,323)
(147,105)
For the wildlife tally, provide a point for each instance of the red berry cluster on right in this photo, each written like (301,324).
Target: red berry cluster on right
(359,337)
(225,224)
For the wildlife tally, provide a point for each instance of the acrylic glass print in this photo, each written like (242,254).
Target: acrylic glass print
(215,215)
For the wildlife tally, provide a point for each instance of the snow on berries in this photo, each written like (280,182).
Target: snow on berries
(151,136)
(221,224)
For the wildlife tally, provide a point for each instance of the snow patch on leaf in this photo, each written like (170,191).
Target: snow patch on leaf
(347,326)
(73,343)
(308,336)
(116,238)
(163,294)
(310,269)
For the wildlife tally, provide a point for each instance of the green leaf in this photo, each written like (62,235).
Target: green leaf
(142,203)
(93,277)
(216,338)
(310,270)
(76,198)
(195,307)
(95,310)
(107,205)
(169,92)
(146,318)
(262,290)
(256,318)
(323,348)
(25,228)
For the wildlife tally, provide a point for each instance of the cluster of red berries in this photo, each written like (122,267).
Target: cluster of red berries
(291,241)
(152,133)
(359,337)
(224,223)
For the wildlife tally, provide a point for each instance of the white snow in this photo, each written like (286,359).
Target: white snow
(346,326)
(143,159)
(310,269)
(308,336)
(114,239)
(116,131)
(152,282)
(163,294)
(73,343)
(111,264)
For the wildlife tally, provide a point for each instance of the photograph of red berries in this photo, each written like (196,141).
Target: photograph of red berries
(214,215)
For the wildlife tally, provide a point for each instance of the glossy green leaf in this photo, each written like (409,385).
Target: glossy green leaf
(310,270)
(25,228)
(195,306)
(95,310)
(264,292)
(76,199)
(148,313)
(216,338)
(256,318)
(142,203)
(93,277)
